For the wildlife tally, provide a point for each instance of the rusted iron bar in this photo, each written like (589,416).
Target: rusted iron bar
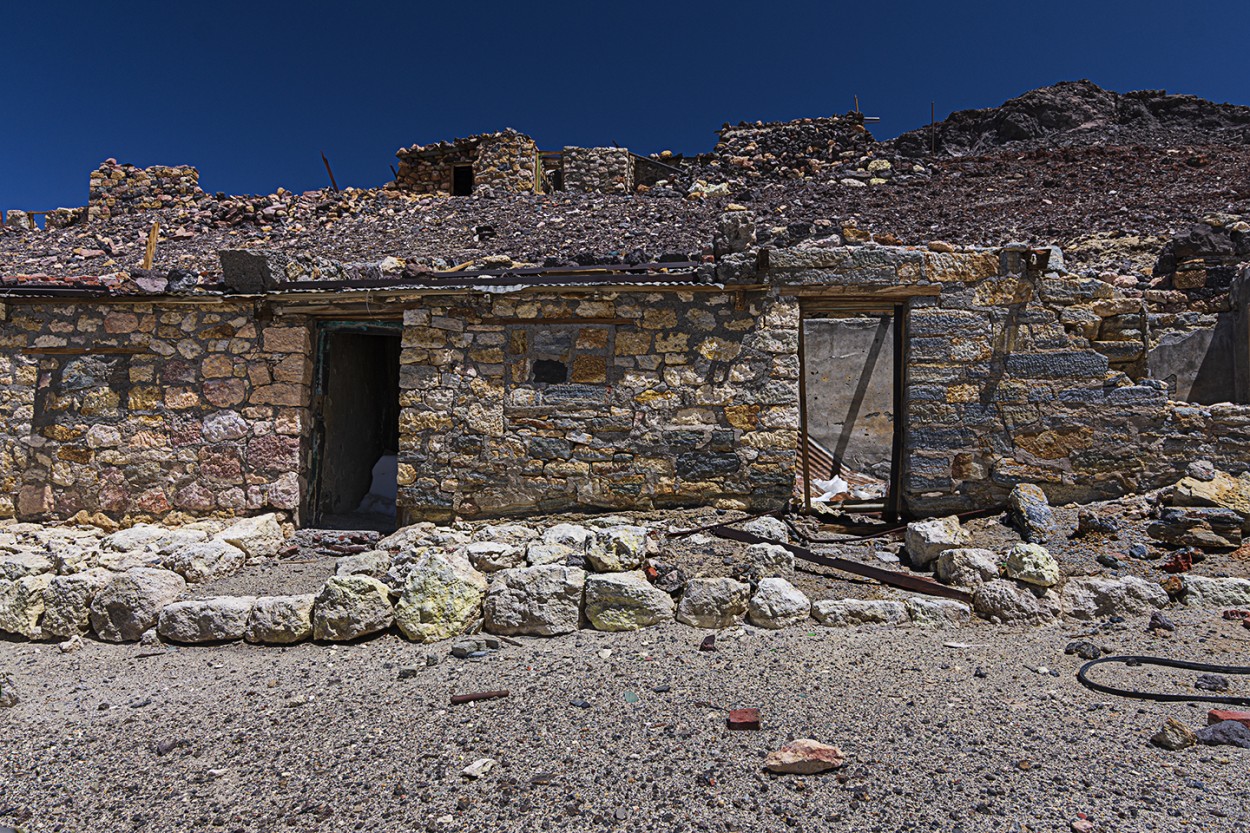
(333,184)
(916,584)
(457,699)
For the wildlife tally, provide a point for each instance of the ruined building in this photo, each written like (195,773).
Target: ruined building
(504,330)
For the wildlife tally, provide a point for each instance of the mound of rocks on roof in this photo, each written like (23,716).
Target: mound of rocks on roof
(1074,113)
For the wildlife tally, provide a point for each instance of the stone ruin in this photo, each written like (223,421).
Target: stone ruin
(707,354)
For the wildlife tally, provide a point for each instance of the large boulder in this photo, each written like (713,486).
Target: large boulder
(544,600)
(280,620)
(131,602)
(926,540)
(1031,514)
(1223,491)
(1095,598)
(618,548)
(144,545)
(67,602)
(778,604)
(765,560)
(22,606)
(441,598)
(625,602)
(492,556)
(207,560)
(841,613)
(24,563)
(1010,603)
(1032,564)
(713,602)
(205,620)
(1200,591)
(929,612)
(349,607)
(966,567)
(373,563)
(260,536)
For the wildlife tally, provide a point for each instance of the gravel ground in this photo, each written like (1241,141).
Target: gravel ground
(318,737)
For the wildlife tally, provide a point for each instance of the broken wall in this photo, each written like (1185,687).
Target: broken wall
(503,163)
(598,170)
(143,409)
(127,189)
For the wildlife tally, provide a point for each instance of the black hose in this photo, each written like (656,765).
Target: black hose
(1166,663)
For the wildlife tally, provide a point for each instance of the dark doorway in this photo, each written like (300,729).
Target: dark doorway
(357,427)
(850,437)
(462,180)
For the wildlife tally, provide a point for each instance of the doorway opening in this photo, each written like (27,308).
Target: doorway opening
(462,180)
(851,394)
(356,426)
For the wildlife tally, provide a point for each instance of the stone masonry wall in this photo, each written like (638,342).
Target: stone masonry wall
(143,409)
(123,189)
(675,398)
(598,170)
(1004,385)
(503,163)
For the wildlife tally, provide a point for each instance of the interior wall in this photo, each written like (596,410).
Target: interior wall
(849,369)
(361,416)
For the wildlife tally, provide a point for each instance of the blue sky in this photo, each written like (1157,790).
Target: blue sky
(252,92)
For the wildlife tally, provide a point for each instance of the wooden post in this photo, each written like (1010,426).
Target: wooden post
(149,254)
(932,127)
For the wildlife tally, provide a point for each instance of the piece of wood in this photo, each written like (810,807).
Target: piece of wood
(473,697)
(333,184)
(149,254)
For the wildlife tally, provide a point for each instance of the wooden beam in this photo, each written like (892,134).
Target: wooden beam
(149,254)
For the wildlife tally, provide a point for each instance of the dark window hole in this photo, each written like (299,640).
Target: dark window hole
(549,372)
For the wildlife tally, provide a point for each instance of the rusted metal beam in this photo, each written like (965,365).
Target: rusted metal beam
(333,184)
(916,584)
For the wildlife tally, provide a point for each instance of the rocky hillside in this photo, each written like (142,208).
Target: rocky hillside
(1076,113)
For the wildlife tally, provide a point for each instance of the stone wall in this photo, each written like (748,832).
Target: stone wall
(142,410)
(1004,387)
(669,398)
(598,170)
(124,189)
(503,163)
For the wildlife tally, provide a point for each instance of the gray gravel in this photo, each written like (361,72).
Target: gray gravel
(315,737)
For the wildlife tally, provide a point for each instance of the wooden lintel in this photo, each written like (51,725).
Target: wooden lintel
(540,320)
(861,292)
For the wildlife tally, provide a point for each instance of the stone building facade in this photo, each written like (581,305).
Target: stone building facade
(491,163)
(125,189)
(598,170)
(611,393)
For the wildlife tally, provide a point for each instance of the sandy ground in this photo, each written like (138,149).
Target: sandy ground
(319,737)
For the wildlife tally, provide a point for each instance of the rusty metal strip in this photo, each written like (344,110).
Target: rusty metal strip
(916,584)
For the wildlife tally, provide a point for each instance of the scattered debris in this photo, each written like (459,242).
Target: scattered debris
(1174,736)
(1160,622)
(804,757)
(1083,649)
(1225,733)
(1211,682)
(479,768)
(740,719)
(457,699)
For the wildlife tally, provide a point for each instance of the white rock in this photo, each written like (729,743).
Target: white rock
(21,605)
(131,602)
(1011,603)
(778,604)
(222,426)
(374,563)
(75,558)
(1094,598)
(478,768)
(441,598)
(853,612)
(150,539)
(926,540)
(518,535)
(539,552)
(537,601)
(1201,591)
(768,527)
(24,563)
(713,602)
(207,560)
(492,556)
(205,620)
(937,613)
(1032,564)
(625,602)
(259,536)
(618,548)
(280,620)
(966,567)
(574,536)
(349,607)
(770,560)
(67,601)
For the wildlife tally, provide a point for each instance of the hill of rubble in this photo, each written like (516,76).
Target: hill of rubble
(1109,177)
